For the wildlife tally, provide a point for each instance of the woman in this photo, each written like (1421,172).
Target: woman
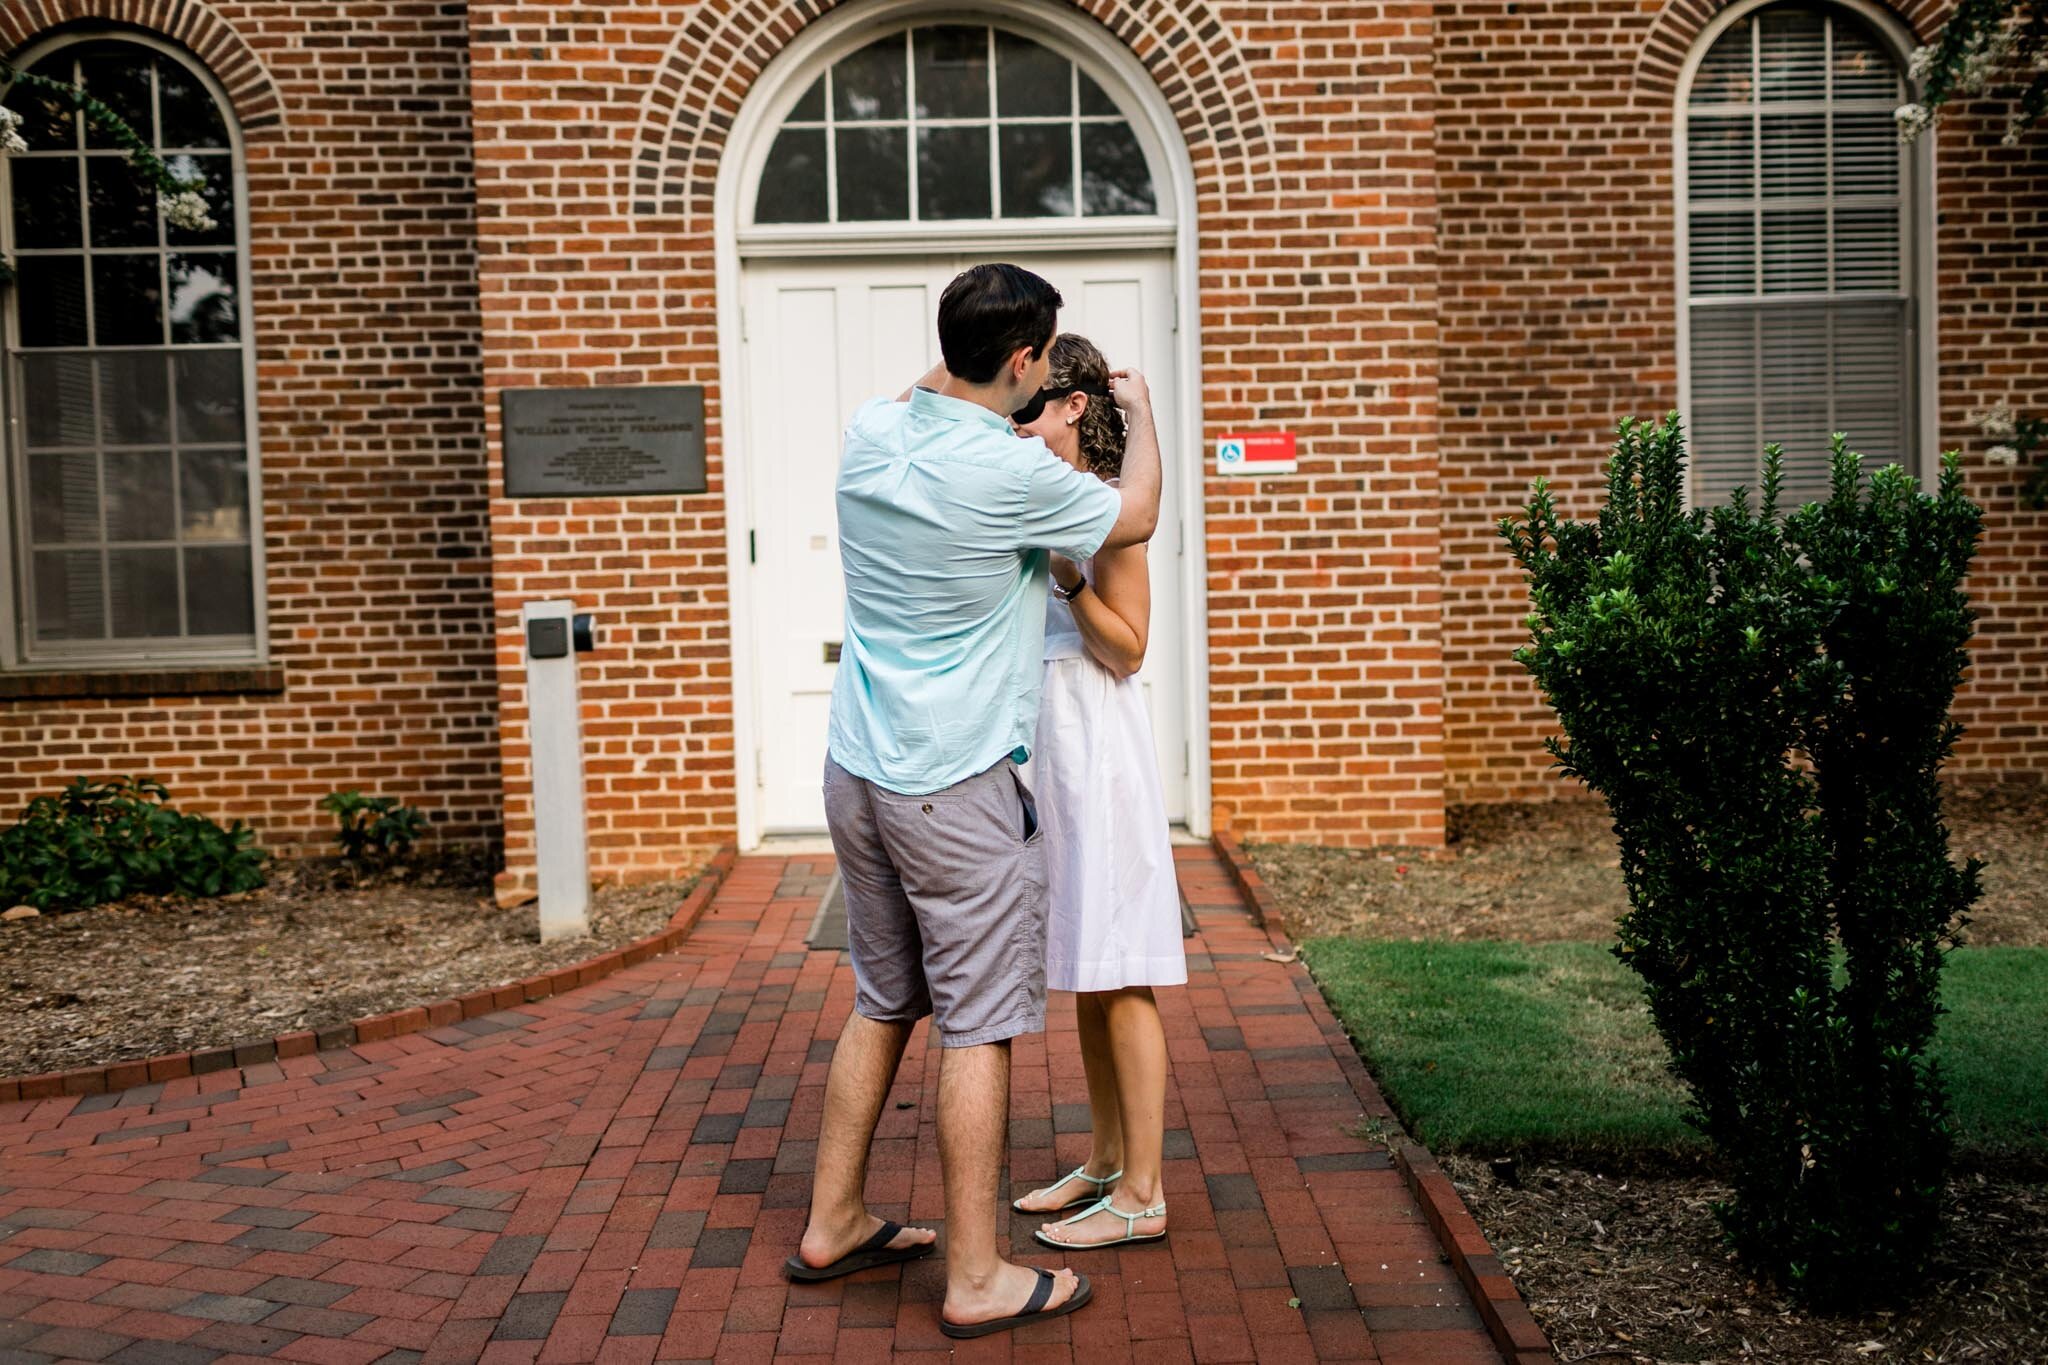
(1114,930)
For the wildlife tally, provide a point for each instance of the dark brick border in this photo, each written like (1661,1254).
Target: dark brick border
(183,682)
(1249,883)
(1507,1318)
(1508,1321)
(97,1080)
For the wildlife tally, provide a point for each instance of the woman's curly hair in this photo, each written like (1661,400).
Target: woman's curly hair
(1076,363)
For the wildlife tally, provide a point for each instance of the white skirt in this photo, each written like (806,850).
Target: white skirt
(1115,907)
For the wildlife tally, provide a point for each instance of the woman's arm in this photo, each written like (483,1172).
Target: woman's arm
(1115,613)
(933,378)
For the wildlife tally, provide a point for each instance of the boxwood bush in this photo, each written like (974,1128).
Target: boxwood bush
(1763,700)
(100,841)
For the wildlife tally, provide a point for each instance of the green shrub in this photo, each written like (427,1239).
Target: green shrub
(100,841)
(373,828)
(1764,703)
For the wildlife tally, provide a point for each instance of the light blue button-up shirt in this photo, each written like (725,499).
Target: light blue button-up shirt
(945,518)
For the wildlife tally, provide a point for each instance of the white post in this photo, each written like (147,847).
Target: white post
(554,727)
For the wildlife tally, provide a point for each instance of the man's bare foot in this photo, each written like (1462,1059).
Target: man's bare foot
(1004,1295)
(823,1245)
(1103,1226)
(1073,1190)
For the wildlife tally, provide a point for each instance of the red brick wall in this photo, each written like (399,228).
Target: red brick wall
(1360,613)
(1317,304)
(1993,291)
(366,323)
(1558,317)
(1318,307)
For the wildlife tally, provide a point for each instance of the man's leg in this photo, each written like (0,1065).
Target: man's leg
(974,1116)
(863,1068)
(889,999)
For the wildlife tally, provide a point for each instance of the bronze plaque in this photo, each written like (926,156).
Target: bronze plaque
(618,442)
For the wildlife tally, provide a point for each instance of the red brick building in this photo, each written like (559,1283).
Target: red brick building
(259,540)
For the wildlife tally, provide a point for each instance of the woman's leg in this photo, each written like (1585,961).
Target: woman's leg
(1137,1047)
(1106,1143)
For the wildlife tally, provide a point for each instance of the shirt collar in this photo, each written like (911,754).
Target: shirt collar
(932,403)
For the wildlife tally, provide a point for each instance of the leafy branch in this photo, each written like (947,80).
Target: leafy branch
(1983,40)
(181,201)
(2018,438)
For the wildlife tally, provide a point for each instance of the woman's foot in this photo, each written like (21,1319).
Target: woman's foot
(1123,1219)
(1084,1186)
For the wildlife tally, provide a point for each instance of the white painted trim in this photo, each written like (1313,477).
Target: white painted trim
(1124,77)
(1922,311)
(142,656)
(927,239)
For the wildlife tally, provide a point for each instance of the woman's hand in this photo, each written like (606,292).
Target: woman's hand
(1129,390)
(1065,573)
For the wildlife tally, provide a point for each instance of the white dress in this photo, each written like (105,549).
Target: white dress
(1115,907)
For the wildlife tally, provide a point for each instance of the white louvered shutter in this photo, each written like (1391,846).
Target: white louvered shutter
(1797,263)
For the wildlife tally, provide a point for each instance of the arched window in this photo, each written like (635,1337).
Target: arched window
(950,123)
(1800,261)
(127,366)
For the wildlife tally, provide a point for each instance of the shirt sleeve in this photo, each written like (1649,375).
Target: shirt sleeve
(1065,510)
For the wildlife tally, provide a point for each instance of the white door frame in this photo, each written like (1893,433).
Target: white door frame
(766,105)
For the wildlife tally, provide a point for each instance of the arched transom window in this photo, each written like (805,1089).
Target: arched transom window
(127,354)
(953,122)
(1800,266)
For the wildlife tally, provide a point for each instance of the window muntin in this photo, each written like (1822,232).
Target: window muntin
(954,123)
(1799,250)
(128,357)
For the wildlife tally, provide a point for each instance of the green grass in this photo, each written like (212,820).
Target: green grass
(1548,1050)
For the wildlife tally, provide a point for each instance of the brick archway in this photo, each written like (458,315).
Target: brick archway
(724,45)
(1679,24)
(193,25)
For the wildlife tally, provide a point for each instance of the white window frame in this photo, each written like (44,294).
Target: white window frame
(17,654)
(1127,82)
(1916,195)
(786,82)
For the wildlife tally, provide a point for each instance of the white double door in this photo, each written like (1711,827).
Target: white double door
(821,337)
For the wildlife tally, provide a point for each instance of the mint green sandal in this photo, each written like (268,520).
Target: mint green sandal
(1078,1173)
(1103,1205)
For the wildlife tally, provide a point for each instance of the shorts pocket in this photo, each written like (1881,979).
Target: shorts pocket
(1033,828)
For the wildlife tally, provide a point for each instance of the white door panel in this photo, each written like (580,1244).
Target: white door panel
(823,337)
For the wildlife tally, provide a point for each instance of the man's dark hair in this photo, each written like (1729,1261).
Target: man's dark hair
(988,313)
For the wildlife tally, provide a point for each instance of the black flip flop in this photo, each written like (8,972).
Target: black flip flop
(1034,1309)
(869,1254)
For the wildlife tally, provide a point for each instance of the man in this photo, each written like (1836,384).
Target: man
(945,520)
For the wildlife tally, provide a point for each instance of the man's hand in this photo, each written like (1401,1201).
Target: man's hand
(1065,572)
(1130,391)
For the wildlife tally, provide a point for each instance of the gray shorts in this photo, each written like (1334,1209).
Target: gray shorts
(945,902)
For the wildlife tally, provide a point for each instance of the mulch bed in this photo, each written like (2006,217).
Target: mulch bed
(315,948)
(1634,1270)
(1543,873)
(1631,1268)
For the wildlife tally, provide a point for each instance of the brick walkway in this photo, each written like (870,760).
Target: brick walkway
(615,1174)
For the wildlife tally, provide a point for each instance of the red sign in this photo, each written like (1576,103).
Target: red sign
(1255,453)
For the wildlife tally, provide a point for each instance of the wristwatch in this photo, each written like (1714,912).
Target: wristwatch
(1066,594)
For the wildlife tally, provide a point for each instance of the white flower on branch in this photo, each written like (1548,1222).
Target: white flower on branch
(11,140)
(186,209)
(1912,120)
(1996,421)
(2004,455)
